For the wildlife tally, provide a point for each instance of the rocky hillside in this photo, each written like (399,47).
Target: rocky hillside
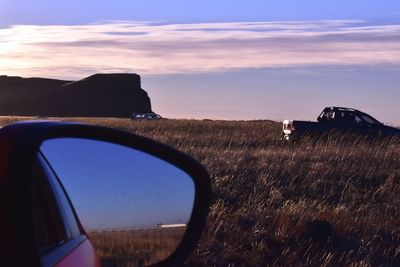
(100,95)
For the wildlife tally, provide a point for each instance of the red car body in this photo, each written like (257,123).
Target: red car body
(81,254)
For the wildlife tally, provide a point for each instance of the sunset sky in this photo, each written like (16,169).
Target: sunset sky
(218,59)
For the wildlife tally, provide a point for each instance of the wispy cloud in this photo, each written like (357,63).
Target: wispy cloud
(155,48)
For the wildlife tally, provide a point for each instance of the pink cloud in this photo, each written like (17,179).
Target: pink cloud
(151,48)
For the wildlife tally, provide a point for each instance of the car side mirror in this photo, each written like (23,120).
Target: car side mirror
(133,201)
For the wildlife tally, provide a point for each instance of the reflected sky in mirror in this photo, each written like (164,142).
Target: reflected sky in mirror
(116,187)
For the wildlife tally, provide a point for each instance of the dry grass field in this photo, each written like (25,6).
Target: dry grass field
(136,248)
(332,202)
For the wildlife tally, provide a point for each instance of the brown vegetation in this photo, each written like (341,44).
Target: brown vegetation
(136,248)
(316,203)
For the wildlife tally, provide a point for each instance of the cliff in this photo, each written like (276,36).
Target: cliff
(100,95)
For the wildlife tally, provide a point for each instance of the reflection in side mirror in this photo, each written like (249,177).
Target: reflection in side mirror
(134,206)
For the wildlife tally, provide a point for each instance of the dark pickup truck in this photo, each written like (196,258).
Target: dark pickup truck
(338,119)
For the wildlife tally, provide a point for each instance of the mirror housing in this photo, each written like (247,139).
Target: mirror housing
(19,145)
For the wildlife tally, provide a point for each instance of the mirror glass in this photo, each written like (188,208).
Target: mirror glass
(134,206)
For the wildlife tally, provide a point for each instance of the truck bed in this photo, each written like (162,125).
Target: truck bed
(294,129)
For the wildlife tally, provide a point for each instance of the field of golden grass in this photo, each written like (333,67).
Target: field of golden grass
(135,248)
(270,198)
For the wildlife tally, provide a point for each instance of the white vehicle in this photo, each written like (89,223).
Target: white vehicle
(145,116)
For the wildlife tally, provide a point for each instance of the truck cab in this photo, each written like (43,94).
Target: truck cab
(346,116)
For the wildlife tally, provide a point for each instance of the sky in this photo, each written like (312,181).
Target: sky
(218,59)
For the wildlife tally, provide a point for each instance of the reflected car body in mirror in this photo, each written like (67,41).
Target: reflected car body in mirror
(119,183)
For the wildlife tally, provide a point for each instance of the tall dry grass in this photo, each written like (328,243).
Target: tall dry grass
(135,248)
(266,193)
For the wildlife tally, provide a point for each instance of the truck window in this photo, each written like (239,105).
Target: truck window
(345,117)
(369,120)
(358,120)
(326,116)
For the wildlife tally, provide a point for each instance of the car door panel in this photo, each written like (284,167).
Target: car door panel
(82,256)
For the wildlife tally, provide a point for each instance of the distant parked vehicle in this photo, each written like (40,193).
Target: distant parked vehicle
(338,119)
(145,116)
